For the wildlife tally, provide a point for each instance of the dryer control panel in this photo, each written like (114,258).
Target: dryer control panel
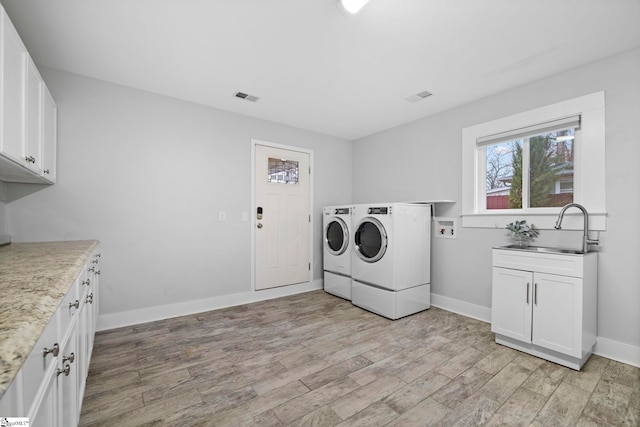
(379,211)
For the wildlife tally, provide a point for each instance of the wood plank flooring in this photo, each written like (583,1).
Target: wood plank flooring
(315,360)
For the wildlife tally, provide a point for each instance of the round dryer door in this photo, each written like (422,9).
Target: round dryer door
(370,240)
(336,236)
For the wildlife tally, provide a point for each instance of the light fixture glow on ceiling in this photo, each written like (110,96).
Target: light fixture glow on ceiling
(352,6)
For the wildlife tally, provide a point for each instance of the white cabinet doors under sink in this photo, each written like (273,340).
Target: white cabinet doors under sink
(538,308)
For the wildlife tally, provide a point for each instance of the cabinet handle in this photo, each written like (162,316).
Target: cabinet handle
(86,282)
(92,269)
(95,261)
(30,159)
(70,358)
(89,299)
(528,292)
(64,371)
(98,272)
(54,350)
(535,294)
(98,255)
(75,304)
(46,171)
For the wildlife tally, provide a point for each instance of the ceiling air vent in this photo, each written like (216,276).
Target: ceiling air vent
(419,96)
(246,96)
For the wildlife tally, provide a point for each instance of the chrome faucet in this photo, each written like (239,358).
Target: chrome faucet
(585,237)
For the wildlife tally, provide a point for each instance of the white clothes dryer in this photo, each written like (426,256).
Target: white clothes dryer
(338,249)
(391,266)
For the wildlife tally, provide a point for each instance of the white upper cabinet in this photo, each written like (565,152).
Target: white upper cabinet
(33,145)
(27,113)
(13,74)
(49,132)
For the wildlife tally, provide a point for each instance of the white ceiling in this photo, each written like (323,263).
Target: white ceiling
(315,68)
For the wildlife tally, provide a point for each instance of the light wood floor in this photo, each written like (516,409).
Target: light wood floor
(314,359)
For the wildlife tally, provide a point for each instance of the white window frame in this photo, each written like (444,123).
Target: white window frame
(589,167)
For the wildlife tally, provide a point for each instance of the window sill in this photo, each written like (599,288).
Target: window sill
(543,221)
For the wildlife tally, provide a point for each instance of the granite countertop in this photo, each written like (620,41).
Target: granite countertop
(34,277)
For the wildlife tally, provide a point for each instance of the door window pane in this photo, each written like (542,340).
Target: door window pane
(282,171)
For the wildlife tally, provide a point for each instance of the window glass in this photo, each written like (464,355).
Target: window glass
(501,165)
(531,172)
(551,163)
(282,171)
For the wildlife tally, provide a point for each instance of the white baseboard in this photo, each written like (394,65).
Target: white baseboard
(467,309)
(617,350)
(151,314)
(605,347)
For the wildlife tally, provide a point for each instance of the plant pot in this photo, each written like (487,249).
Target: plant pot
(520,242)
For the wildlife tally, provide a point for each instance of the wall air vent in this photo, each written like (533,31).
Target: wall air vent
(418,96)
(246,96)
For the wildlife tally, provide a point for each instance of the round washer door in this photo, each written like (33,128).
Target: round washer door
(336,236)
(370,240)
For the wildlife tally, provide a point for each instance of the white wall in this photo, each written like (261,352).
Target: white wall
(4,228)
(421,160)
(147,176)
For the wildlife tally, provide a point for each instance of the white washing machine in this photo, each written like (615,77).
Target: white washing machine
(391,266)
(338,249)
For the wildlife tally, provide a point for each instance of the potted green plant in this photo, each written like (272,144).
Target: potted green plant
(522,233)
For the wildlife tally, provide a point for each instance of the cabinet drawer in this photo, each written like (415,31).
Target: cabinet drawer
(563,265)
(37,363)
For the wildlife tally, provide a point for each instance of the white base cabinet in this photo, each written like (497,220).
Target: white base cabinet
(49,387)
(545,304)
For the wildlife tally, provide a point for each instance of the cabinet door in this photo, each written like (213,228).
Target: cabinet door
(45,411)
(49,137)
(511,303)
(40,361)
(84,350)
(68,382)
(11,403)
(12,99)
(557,313)
(33,150)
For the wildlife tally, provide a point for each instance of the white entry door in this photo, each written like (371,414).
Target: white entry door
(281,217)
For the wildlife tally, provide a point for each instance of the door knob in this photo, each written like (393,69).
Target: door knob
(259,225)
